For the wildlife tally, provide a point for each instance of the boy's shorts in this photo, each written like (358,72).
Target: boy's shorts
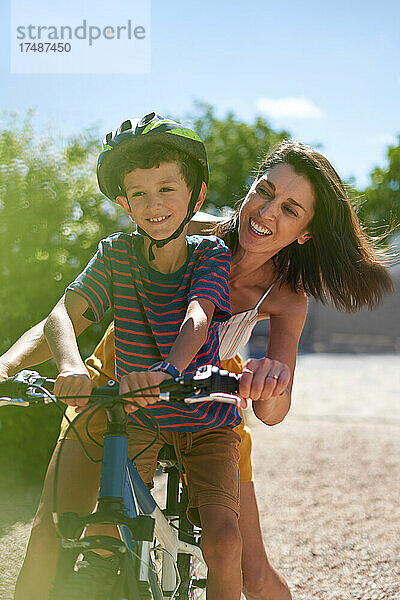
(209,458)
(103,359)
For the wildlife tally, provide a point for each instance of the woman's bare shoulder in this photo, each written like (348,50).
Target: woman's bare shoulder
(284,302)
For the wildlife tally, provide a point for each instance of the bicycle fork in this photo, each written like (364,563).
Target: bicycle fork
(116,506)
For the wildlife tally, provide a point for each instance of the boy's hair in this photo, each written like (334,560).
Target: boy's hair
(148,155)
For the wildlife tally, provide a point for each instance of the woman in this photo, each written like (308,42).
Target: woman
(294,235)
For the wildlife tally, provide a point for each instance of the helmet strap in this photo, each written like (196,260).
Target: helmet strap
(189,214)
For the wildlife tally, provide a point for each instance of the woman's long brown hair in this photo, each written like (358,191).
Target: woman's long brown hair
(340,263)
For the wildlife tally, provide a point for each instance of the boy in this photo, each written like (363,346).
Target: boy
(168,293)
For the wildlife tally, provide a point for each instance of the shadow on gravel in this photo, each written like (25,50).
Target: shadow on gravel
(17,505)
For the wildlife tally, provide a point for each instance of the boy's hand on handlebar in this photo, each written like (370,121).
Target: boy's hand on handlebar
(263,379)
(142,379)
(74,384)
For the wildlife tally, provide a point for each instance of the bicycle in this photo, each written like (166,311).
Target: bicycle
(155,559)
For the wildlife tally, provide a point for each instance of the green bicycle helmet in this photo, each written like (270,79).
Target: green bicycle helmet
(153,128)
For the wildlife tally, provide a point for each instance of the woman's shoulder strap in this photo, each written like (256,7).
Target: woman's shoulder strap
(265,294)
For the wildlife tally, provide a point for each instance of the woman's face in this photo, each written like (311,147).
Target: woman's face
(276,211)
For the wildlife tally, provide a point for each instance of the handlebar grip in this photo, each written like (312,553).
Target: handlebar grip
(225,382)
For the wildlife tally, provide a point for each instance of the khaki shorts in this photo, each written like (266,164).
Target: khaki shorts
(98,426)
(209,460)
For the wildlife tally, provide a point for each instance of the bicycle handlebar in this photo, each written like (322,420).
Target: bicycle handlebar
(208,383)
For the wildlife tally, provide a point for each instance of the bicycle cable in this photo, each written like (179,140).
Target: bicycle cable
(93,408)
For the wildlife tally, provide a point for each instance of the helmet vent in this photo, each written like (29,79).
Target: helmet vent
(126,125)
(147,118)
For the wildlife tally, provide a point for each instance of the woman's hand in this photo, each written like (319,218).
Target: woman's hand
(138,380)
(73,384)
(263,379)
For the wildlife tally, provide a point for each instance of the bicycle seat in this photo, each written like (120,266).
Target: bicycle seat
(167,457)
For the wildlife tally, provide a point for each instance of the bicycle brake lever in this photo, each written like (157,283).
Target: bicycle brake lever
(218,397)
(24,390)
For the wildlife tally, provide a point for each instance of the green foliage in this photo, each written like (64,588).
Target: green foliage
(381,202)
(51,220)
(234,148)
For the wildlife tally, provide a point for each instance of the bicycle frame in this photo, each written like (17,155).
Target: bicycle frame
(125,501)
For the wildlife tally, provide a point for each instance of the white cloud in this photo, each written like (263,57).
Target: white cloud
(298,108)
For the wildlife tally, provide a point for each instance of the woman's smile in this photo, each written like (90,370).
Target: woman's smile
(259,229)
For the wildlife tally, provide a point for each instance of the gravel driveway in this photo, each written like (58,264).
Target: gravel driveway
(328,483)
(328,480)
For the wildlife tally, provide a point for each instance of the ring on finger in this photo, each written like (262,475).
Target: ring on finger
(272,376)
(246,370)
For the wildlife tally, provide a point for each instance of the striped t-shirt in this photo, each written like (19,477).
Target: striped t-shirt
(149,308)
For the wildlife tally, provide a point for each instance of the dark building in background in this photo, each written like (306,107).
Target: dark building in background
(327,330)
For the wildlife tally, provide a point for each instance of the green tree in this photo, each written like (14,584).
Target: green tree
(51,219)
(381,201)
(234,148)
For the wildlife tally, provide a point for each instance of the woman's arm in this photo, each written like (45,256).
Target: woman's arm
(272,397)
(60,330)
(30,349)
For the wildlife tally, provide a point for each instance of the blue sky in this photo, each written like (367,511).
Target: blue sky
(329,72)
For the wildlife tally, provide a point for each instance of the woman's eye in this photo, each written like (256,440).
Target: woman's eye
(136,194)
(166,189)
(290,210)
(263,190)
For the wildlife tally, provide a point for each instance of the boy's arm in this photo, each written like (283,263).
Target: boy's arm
(60,331)
(193,333)
(192,336)
(208,298)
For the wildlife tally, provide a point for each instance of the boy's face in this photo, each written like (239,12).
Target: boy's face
(157,199)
